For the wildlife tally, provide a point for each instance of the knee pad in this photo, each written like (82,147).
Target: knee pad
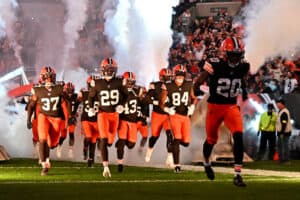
(130,145)
(152,141)
(185,144)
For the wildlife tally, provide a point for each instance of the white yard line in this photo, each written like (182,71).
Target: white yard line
(226,170)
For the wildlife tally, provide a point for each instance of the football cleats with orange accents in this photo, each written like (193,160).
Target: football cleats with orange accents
(130,79)
(165,74)
(47,75)
(108,68)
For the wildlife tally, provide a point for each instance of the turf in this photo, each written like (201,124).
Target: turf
(20,179)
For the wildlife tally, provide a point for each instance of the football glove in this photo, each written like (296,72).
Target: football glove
(191,110)
(119,109)
(155,102)
(29,124)
(91,112)
(170,110)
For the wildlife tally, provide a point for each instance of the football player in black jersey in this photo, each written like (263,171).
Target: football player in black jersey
(178,100)
(159,118)
(127,130)
(112,94)
(72,104)
(143,115)
(89,124)
(226,82)
(49,97)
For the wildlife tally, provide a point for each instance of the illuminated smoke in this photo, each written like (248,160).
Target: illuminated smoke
(272,28)
(140,34)
(76,18)
(7,21)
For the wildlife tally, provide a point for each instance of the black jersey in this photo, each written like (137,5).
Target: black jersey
(179,96)
(86,107)
(109,94)
(72,103)
(49,100)
(131,106)
(226,82)
(153,94)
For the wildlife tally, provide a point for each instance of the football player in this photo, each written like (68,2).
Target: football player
(159,118)
(72,103)
(49,96)
(143,115)
(127,130)
(33,125)
(226,82)
(178,100)
(112,94)
(89,124)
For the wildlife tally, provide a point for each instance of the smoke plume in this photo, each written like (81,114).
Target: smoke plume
(272,29)
(7,20)
(76,18)
(140,34)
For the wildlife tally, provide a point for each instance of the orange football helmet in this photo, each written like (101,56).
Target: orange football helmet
(165,74)
(179,70)
(47,75)
(130,79)
(234,50)
(108,68)
(69,88)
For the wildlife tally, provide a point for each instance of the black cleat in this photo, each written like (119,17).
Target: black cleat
(90,162)
(177,169)
(209,172)
(120,168)
(238,181)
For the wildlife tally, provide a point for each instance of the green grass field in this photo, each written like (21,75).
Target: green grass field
(20,179)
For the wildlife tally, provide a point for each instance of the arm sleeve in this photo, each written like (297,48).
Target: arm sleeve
(92,94)
(199,81)
(30,109)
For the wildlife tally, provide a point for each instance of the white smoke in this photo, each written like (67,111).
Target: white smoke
(7,18)
(140,34)
(272,29)
(14,135)
(7,21)
(76,19)
(77,76)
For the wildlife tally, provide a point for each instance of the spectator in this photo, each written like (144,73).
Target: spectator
(267,128)
(284,129)
(290,83)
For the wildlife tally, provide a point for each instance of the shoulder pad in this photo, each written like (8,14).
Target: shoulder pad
(214,60)
(119,77)
(59,83)
(83,90)
(38,85)
(92,83)
(151,86)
